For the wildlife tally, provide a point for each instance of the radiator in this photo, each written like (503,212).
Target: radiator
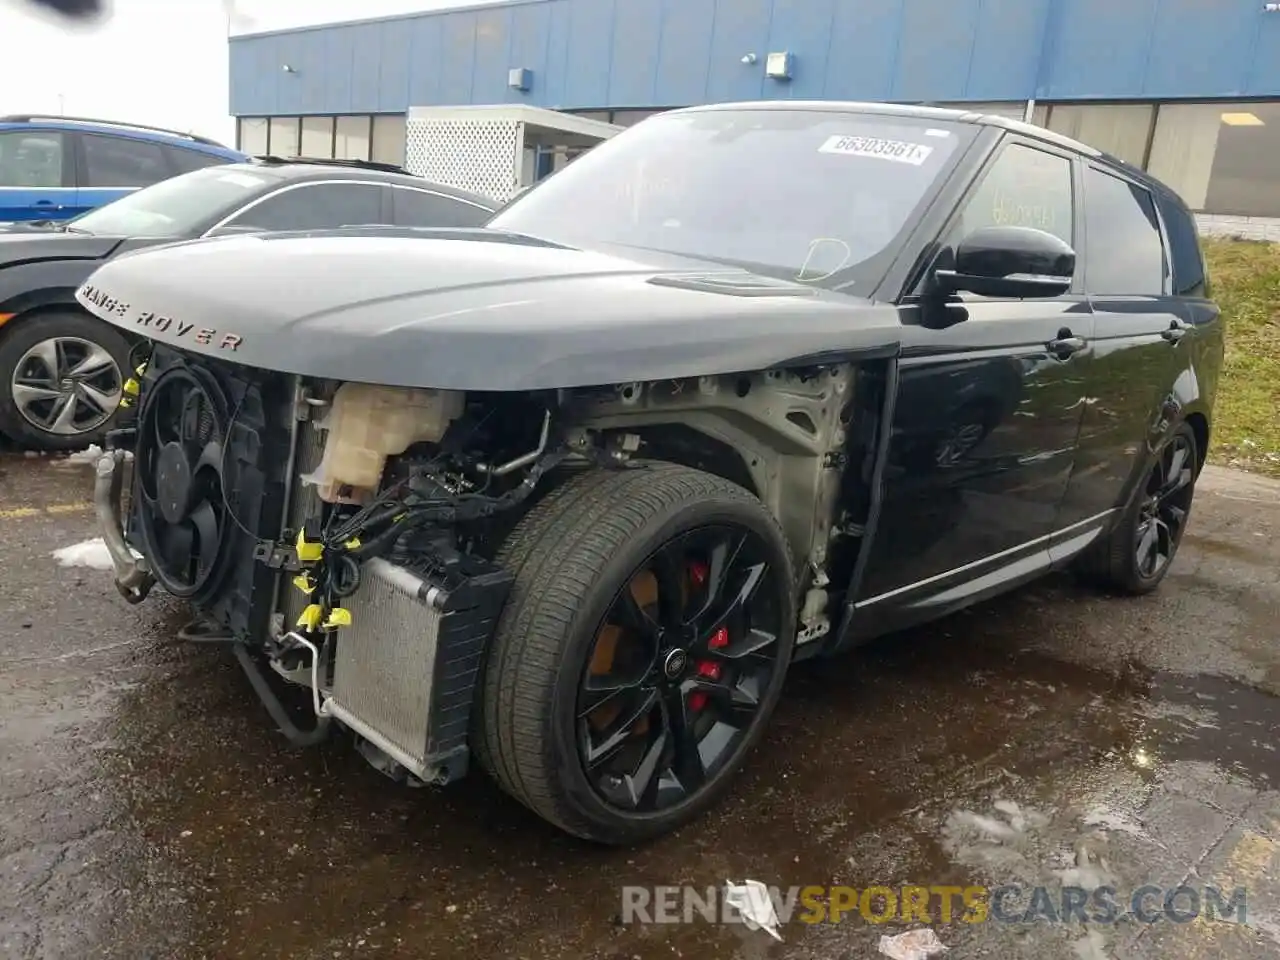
(405,670)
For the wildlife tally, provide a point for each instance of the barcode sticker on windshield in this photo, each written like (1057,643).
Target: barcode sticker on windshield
(898,151)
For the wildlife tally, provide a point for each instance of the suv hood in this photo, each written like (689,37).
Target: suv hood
(31,245)
(473,310)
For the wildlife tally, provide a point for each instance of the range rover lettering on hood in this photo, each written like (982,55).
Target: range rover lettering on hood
(159,323)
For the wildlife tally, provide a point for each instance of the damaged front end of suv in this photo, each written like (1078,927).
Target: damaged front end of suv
(568,511)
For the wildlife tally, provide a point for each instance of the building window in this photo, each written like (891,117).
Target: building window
(317,137)
(251,136)
(1120,129)
(352,135)
(1221,157)
(388,140)
(283,139)
(628,118)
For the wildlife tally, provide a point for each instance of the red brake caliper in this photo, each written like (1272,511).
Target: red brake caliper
(707,669)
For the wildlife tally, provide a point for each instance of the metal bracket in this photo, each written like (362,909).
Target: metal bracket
(276,557)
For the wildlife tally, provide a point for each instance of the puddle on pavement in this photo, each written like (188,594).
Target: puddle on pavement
(265,851)
(1209,719)
(312,852)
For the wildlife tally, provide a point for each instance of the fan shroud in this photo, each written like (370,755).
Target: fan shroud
(183,519)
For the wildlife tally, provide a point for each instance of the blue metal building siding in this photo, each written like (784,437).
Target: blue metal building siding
(656,53)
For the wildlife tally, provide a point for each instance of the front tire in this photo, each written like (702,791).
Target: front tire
(62,376)
(1136,555)
(641,651)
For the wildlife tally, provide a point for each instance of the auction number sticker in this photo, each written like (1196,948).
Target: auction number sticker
(899,151)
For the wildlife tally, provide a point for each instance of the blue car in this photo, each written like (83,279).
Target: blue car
(55,168)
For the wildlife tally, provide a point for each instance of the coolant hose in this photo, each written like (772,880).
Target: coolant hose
(295,734)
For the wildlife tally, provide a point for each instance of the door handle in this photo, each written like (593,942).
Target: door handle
(1066,344)
(1176,331)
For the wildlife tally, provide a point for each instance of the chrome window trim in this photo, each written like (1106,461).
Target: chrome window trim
(285,189)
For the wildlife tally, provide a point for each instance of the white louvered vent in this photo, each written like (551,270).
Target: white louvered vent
(473,154)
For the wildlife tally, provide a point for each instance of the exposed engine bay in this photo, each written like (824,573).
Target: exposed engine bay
(344,535)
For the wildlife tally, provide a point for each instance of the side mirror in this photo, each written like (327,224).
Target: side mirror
(1010,262)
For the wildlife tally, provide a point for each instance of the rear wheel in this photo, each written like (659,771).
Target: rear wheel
(1137,553)
(62,377)
(641,652)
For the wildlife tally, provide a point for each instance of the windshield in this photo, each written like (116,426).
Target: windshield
(813,196)
(176,207)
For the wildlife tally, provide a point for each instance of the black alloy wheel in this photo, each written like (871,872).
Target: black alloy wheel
(1135,555)
(1164,507)
(678,668)
(640,653)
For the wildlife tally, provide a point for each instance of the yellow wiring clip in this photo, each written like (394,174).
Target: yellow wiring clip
(304,583)
(353,543)
(308,552)
(338,617)
(311,616)
(132,386)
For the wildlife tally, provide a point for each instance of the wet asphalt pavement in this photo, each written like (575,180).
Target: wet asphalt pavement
(148,808)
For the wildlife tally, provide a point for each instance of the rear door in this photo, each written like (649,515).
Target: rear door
(112,166)
(37,175)
(1138,347)
(988,411)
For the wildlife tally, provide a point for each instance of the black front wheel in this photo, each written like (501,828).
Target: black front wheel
(641,653)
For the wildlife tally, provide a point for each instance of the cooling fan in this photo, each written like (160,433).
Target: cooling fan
(181,508)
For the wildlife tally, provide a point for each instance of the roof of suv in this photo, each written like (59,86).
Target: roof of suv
(134,131)
(324,168)
(945,114)
(902,110)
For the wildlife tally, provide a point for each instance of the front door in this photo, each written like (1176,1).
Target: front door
(36,181)
(1138,351)
(988,411)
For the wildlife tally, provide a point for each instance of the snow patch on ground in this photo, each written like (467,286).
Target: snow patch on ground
(89,457)
(91,553)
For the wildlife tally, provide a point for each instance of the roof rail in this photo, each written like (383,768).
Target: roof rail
(30,117)
(335,162)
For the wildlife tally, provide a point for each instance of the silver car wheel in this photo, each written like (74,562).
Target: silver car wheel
(66,386)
